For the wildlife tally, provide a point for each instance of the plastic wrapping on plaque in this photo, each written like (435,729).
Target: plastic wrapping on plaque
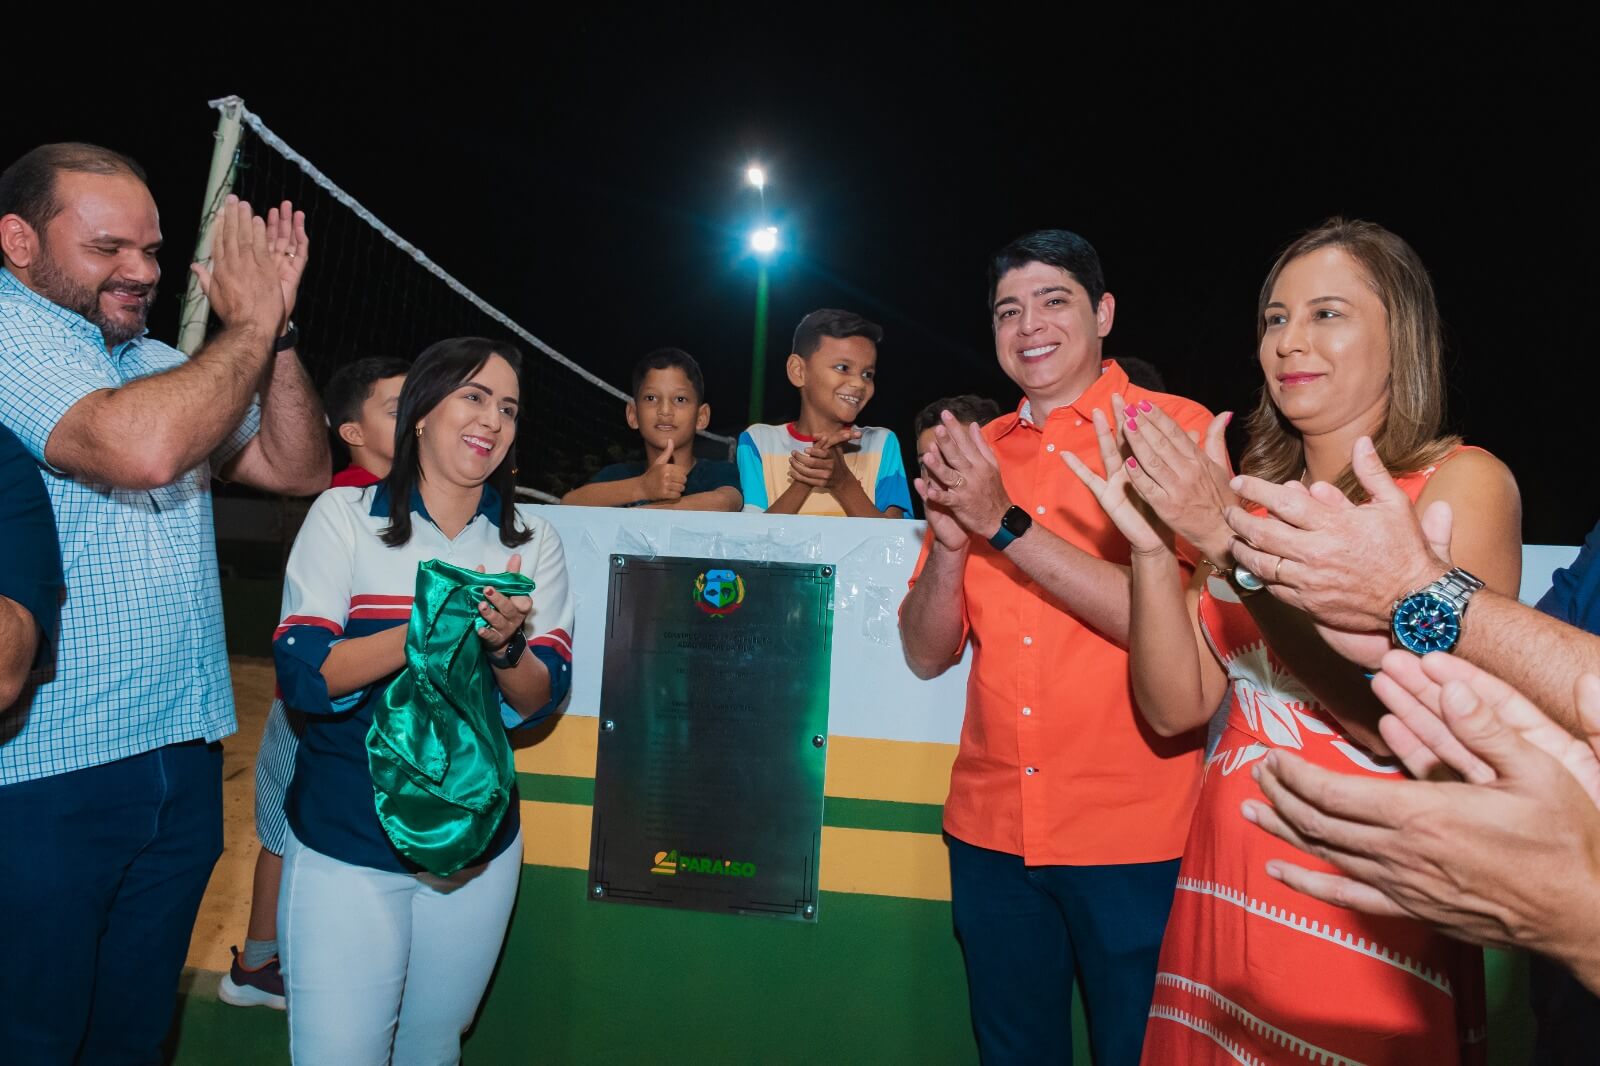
(635,542)
(873,553)
(713,735)
(776,545)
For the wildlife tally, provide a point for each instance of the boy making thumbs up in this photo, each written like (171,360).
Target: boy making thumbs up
(667,409)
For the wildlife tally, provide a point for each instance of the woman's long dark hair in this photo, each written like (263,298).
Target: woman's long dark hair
(437,372)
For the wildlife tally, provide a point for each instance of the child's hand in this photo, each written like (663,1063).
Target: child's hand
(662,481)
(809,469)
(822,465)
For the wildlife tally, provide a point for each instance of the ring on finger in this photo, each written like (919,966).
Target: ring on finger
(961,479)
(1276,568)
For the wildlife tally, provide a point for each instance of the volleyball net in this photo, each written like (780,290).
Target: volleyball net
(370,292)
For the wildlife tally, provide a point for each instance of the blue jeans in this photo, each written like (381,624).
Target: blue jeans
(1026,930)
(101,874)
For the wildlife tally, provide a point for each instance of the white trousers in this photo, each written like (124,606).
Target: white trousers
(386,968)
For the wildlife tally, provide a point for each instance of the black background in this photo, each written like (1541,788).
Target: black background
(585,173)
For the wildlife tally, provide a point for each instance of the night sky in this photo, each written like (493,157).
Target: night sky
(588,179)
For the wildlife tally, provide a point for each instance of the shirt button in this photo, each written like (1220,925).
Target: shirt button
(1026,711)
(1028,641)
(289,640)
(1049,447)
(1029,771)
(1038,510)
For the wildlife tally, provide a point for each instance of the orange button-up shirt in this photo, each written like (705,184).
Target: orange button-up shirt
(1056,763)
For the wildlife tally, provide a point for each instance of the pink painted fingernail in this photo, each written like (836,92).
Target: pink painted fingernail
(1133,425)
(1274,871)
(1130,410)
(1133,464)
(1248,809)
(1144,405)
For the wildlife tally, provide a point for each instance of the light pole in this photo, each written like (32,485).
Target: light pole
(763,242)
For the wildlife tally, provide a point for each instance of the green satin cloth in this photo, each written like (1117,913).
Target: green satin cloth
(441,765)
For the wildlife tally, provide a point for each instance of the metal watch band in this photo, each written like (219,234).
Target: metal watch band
(1456,588)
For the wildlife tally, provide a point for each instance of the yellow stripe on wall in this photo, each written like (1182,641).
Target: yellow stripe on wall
(877,862)
(556,834)
(568,750)
(903,771)
(870,862)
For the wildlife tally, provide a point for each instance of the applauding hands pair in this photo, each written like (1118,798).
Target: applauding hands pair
(822,465)
(1160,480)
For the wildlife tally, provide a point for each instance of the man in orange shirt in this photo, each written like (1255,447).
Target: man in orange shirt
(1066,815)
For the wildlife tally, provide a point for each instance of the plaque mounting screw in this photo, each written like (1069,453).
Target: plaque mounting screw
(810,911)
(598,891)
(818,740)
(609,726)
(827,571)
(616,560)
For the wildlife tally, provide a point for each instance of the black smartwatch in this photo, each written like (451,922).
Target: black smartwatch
(508,657)
(290,338)
(1013,524)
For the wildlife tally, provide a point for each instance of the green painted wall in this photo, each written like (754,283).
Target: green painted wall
(876,980)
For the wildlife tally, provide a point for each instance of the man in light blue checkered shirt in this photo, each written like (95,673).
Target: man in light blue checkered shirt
(110,776)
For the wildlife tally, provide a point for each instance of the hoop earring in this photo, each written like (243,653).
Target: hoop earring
(419,432)
(513,473)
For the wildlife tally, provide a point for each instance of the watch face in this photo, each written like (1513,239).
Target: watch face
(1016,521)
(1247,580)
(1424,622)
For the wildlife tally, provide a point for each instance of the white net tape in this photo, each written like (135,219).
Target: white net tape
(310,170)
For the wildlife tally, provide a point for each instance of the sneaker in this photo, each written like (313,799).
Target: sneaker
(261,987)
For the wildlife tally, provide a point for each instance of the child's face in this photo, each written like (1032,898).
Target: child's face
(838,379)
(375,428)
(667,410)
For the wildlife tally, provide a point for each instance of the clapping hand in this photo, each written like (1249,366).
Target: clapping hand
(289,246)
(1507,855)
(1146,534)
(822,465)
(1186,486)
(962,476)
(242,279)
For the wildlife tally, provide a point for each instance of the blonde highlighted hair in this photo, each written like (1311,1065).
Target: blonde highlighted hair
(1409,437)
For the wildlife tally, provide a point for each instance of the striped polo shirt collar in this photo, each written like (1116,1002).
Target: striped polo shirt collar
(488,503)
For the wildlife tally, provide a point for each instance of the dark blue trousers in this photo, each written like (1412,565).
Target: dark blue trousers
(1026,931)
(101,874)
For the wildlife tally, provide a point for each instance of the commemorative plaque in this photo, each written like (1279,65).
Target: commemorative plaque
(713,735)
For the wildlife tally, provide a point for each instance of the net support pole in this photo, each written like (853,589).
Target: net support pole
(224,153)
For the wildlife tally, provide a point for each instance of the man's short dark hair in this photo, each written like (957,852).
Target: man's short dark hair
(966,408)
(1142,373)
(665,359)
(352,386)
(831,322)
(1053,247)
(28,186)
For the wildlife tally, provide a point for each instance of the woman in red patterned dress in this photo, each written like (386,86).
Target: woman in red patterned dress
(1252,972)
